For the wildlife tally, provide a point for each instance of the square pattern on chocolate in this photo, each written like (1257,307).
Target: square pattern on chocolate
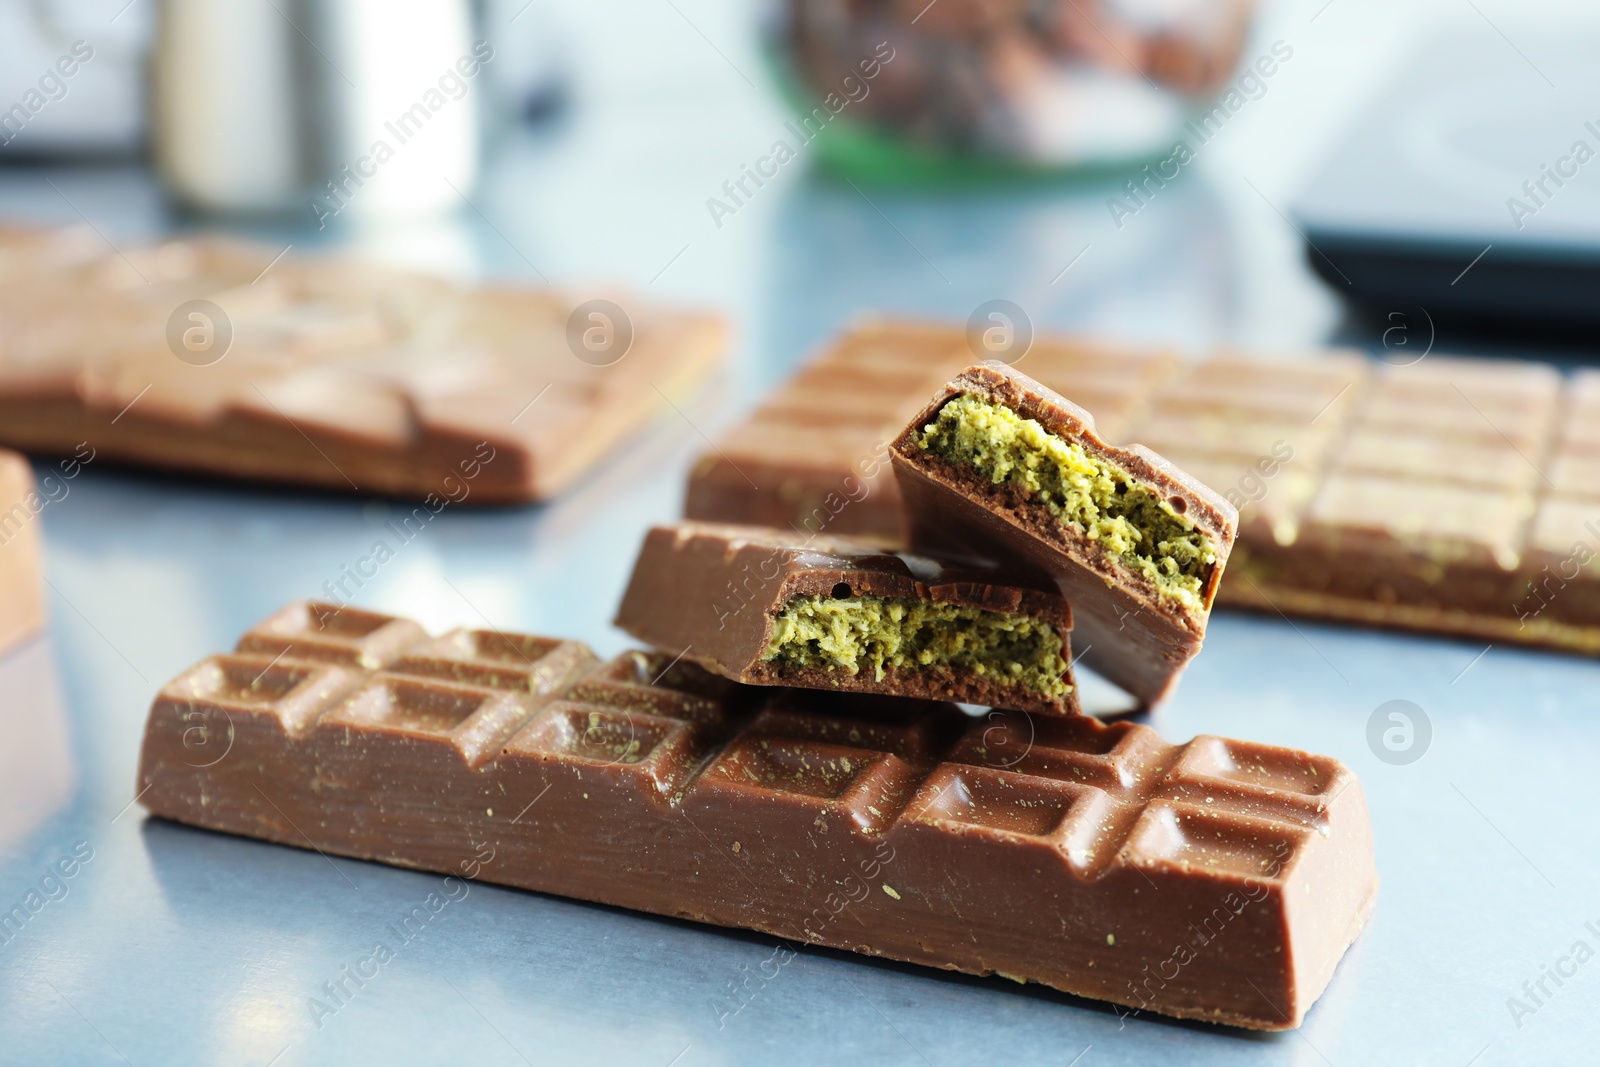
(209,355)
(1428,495)
(353,739)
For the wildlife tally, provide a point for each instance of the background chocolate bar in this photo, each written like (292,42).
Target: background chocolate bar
(211,356)
(21,585)
(1217,880)
(817,450)
(1452,495)
(772,607)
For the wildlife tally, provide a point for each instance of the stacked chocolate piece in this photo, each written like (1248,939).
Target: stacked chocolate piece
(792,748)
(1449,495)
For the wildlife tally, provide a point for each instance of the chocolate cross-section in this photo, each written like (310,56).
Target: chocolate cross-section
(775,607)
(999,467)
(1217,880)
(1455,495)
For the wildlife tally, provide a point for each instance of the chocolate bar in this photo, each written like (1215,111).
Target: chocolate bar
(815,455)
(1435,511)
(999,467)
(209,356)
(1217,880)
(21,590)
(1455,496)
(770,607)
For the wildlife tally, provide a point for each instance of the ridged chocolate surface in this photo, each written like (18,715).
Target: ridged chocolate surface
(342,375)
(1218,880)
(710,592)
(1452,495)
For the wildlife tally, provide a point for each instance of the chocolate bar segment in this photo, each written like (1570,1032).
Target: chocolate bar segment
(815,455)
(771,607)
(1218,880)
(1425,507)
(212,356)
(1347,474)
(21,588)
(1001,467)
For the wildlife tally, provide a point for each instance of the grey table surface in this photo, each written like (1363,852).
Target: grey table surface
(172,945)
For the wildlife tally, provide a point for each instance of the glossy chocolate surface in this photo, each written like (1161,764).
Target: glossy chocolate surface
(1217,880)
(710,593)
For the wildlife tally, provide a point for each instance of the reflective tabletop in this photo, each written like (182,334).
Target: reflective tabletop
(170,945)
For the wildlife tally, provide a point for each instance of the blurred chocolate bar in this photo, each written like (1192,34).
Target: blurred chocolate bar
(774,607)
(211,356)
(1217,880)
(1453,495)
(815,454)
(1000,468)
(21,585)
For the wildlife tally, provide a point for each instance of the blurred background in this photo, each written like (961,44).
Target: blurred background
(1278,176)
(990,153)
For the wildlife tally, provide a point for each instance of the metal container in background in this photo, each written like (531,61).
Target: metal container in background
(348,110)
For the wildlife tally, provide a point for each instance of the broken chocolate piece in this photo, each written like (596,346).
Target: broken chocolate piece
(771,607)
(999,467)
(1217,880)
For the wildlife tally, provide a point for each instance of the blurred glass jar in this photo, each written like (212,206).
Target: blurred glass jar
(906,89)
(356,109)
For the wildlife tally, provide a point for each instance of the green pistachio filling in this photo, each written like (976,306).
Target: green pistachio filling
(1096,498)
(874,633)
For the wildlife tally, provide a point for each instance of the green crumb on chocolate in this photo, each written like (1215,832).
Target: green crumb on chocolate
(1098,499)
(858,633)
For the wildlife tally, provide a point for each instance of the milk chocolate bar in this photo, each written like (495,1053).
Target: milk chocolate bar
(21,589)
(815,455)
(1453,495)
(1000,467)
(1217,880)
(771,607)
(209,356)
